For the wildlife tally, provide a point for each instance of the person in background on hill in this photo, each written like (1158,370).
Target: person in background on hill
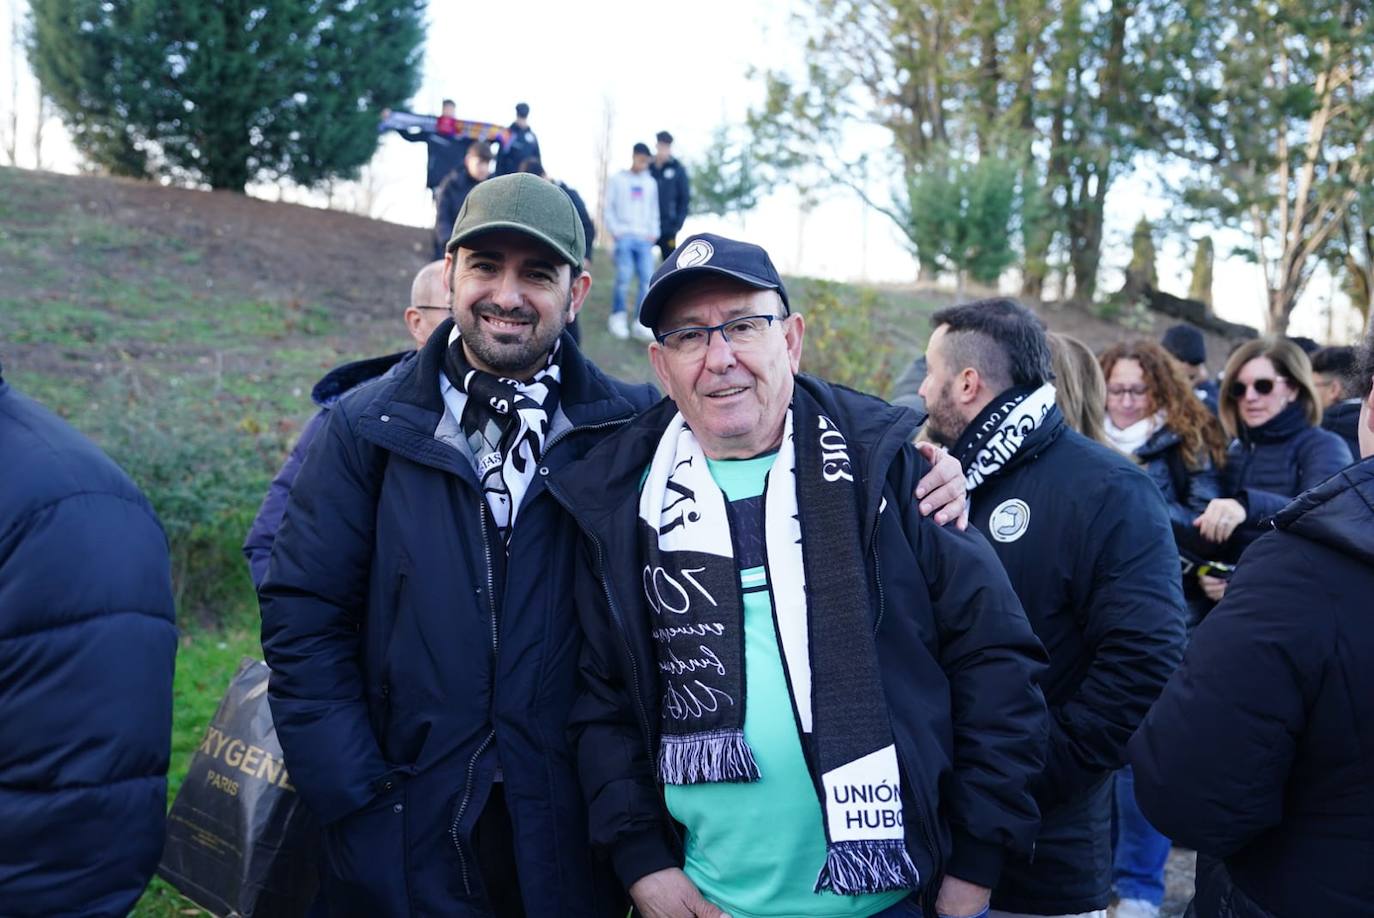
(428,307)
(535,167)
(632,219)
(1308,346)
(88,631)
(1257,754)
(522,145)
(674,192)
(1154,418)
(1333,372)
(446,147)
(454,190)
(1186,345)
(1271,409)
(912,676)
(1084,536)
(906,391)
(1079,388)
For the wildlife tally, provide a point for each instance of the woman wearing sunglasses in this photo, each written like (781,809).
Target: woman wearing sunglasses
(1269,406)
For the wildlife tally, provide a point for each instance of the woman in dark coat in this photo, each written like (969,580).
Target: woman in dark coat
(1154,417)
(1269,406)
(1257,753)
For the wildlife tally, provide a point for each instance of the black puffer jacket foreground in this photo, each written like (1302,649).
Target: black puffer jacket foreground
(87,643)
(1258,753)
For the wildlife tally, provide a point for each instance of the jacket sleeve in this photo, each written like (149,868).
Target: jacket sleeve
(1134,625)
(615,201)
(625,811)
(257,547)
(993,662)
(1204,486)
(1212,757)
(312,606)
(1320,455)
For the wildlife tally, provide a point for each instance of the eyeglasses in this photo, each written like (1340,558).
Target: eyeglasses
(1123,391)
(442,308)
(1261,387)
(741,334)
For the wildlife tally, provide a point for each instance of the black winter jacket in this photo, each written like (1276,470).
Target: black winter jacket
(674,196)
(446,152)
(1259,751)
(87,644)
(957,656)
(1269,465)
(410,661)
(1343,420)
(1187,492)
(1095,565)
(523,145)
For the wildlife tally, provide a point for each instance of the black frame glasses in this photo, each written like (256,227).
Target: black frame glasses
(1261,386)
(678,342)
(444,308)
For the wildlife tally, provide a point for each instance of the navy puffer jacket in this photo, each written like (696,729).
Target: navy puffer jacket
(1258,752)
(87,643)
(1269,465)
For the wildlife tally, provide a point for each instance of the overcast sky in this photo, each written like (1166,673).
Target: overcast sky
(683,68)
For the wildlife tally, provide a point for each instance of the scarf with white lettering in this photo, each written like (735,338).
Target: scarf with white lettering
(998,432)
(506,423)
(823,609)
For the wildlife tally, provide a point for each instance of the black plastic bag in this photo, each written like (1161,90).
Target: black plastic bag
(239,840)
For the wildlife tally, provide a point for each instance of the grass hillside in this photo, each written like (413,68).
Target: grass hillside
(183,330)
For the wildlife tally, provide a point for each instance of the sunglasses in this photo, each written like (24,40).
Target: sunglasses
(1261,387)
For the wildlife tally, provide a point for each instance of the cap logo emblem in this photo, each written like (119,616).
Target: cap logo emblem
(696,252)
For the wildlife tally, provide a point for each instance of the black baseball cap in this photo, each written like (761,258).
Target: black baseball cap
(642,149)
(707,254)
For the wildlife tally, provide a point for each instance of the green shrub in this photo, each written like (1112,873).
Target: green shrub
(844,342)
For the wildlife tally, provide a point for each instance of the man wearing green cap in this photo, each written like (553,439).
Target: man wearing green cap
(417,610)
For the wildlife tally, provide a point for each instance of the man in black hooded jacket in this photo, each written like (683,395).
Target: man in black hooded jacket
(1085,538)
(1257,754)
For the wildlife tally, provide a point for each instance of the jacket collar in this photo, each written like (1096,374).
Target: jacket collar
(1288,422)
(403,414)
(1338,513)
(595,487)
(343,378)
(1159,441)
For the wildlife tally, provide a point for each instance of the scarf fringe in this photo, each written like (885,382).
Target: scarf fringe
(854,868)
(701,758)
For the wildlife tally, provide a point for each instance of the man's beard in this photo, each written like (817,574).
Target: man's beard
(510,354)
(944,425)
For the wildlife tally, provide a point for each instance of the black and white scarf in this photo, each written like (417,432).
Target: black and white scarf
(506,423)
(822,604)
(993,438)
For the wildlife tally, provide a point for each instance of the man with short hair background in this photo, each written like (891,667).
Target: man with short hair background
(1332,371)
(454,190)
(835,698)
(1085,537)
(427,309)
(522,145)
(444,146)
(632,219)
(674,192)
(1186,345)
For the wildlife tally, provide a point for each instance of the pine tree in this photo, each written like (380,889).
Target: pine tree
(1201,287)
(227,92)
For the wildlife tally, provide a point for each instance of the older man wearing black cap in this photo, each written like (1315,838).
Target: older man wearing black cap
(833,698)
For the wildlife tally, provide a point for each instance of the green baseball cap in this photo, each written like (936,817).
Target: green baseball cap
(524,203)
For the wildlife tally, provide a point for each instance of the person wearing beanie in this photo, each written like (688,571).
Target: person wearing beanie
(1186,345)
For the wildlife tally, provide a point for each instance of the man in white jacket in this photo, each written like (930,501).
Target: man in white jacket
(632,220)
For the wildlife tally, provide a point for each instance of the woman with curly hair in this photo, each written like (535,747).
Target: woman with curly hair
(1154,417)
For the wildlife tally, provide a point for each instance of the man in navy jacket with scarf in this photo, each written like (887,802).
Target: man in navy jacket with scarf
(1085,538)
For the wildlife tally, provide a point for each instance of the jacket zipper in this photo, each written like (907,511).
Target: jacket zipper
(495,644)
(462,809)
